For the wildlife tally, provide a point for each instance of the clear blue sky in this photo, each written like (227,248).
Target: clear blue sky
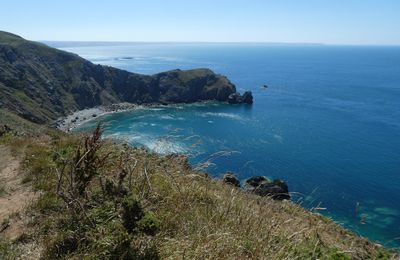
(316,21)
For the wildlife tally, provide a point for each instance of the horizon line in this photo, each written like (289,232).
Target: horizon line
(219,42)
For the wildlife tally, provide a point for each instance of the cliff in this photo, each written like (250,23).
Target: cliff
(40,83)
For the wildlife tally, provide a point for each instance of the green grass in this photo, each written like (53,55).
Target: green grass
(19,126)
(8,251)
(9,38)
(2,190)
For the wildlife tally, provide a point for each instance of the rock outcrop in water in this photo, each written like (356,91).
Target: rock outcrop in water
(259,185)
(236,98)
(231,179)
(277,189)
(41,84)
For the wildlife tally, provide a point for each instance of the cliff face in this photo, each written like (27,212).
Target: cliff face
(40,83)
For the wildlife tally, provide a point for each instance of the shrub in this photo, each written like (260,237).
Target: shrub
(149,224)
(132,212)
(62,245)
(129,248)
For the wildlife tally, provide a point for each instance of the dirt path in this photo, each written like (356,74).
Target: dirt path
(14,195)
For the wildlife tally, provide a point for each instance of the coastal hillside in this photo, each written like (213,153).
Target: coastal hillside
(40,83)
(67,196)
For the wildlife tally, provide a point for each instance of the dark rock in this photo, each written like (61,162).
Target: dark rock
(94,115)
(256,180)
(235,98)
(231,179)
(247,97)
(276,189)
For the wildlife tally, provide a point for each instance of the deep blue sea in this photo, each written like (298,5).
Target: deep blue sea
(328,124)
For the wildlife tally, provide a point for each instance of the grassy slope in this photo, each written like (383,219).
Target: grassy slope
(18,124)
(184,214)
(9,38)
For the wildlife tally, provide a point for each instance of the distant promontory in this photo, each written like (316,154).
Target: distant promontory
(41,84)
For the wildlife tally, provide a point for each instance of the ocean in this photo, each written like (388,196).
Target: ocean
(328,123)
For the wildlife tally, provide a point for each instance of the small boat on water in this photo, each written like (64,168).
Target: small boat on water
(265,86)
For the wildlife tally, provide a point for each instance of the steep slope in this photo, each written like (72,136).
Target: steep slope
(40,83)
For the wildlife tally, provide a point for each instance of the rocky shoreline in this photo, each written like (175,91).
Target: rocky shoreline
(277,189)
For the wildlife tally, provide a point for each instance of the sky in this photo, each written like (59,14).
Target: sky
(366,22)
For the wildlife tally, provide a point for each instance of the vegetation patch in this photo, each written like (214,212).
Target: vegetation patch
(8,251)
(101,200)
(2,189)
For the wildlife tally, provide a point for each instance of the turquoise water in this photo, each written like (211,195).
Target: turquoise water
(329,123)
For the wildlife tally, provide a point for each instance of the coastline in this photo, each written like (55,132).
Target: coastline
(77,118)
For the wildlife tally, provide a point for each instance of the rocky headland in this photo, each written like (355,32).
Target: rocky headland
(42,84)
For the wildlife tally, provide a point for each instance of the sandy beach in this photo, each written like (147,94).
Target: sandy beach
(79,117)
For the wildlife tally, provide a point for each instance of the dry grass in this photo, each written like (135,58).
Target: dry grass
(198,217)
(203,218)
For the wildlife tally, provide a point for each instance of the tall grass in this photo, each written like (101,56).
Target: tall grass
(135,204)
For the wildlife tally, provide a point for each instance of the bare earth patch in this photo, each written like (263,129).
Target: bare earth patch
(14,198)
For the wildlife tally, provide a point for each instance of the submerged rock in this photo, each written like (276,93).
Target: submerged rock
(231,179)
(276,189)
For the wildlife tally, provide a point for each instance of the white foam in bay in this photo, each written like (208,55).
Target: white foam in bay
(170,117)
(165,146)
(167,117)
(223,115)
(162,145)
